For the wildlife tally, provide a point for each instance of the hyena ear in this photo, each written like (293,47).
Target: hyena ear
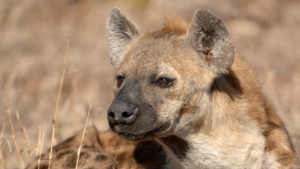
(210,38)
(120,33)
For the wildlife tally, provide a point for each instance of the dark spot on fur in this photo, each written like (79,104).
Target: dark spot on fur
(84,155)
(111,166)
(121,156)
(227,83)
(86,146)
(71,160)
(150,154)
(64,143)
(60,155)
(101,157)
(177,145)
(234,81)
(42,166)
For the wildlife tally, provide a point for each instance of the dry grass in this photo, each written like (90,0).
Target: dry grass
(83,133)
(59,93)
(40,146)
(13,134)
(32,45)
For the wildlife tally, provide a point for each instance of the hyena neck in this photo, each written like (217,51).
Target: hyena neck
(224,127)
(191,154)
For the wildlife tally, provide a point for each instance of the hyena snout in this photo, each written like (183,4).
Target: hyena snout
(122,112)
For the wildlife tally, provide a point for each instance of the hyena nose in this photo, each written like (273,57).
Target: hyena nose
(121,112)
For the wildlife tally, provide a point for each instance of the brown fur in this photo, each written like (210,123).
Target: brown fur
(277,141)
(172,26)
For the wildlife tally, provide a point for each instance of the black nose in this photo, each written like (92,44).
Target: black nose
(122,112)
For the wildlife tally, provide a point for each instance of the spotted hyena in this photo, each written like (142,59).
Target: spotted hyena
(187,89)
(183,100)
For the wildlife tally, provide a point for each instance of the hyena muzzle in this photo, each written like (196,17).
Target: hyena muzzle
(187,89)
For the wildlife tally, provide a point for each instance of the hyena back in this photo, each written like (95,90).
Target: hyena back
(188,90)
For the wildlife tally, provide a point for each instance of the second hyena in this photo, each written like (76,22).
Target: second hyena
(188,90)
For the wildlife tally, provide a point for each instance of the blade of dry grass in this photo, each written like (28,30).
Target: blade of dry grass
(41,143)
(115,161)
(83,133)
(1,142)
(2,160)
(37,149)
(2,134)
(8,145)
(14,138)
(23,130)
(66,57)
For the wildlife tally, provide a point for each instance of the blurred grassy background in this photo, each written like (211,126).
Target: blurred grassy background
(33,36)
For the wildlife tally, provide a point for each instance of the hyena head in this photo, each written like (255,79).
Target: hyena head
(163,79)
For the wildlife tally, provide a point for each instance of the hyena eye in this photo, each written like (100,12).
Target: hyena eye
(120,79)
(164,82)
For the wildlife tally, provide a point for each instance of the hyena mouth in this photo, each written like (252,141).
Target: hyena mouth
(143,135)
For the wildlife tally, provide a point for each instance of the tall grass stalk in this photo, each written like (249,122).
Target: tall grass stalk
(83,133)
(59,93)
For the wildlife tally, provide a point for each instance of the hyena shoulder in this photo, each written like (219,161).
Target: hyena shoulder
(277,144)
